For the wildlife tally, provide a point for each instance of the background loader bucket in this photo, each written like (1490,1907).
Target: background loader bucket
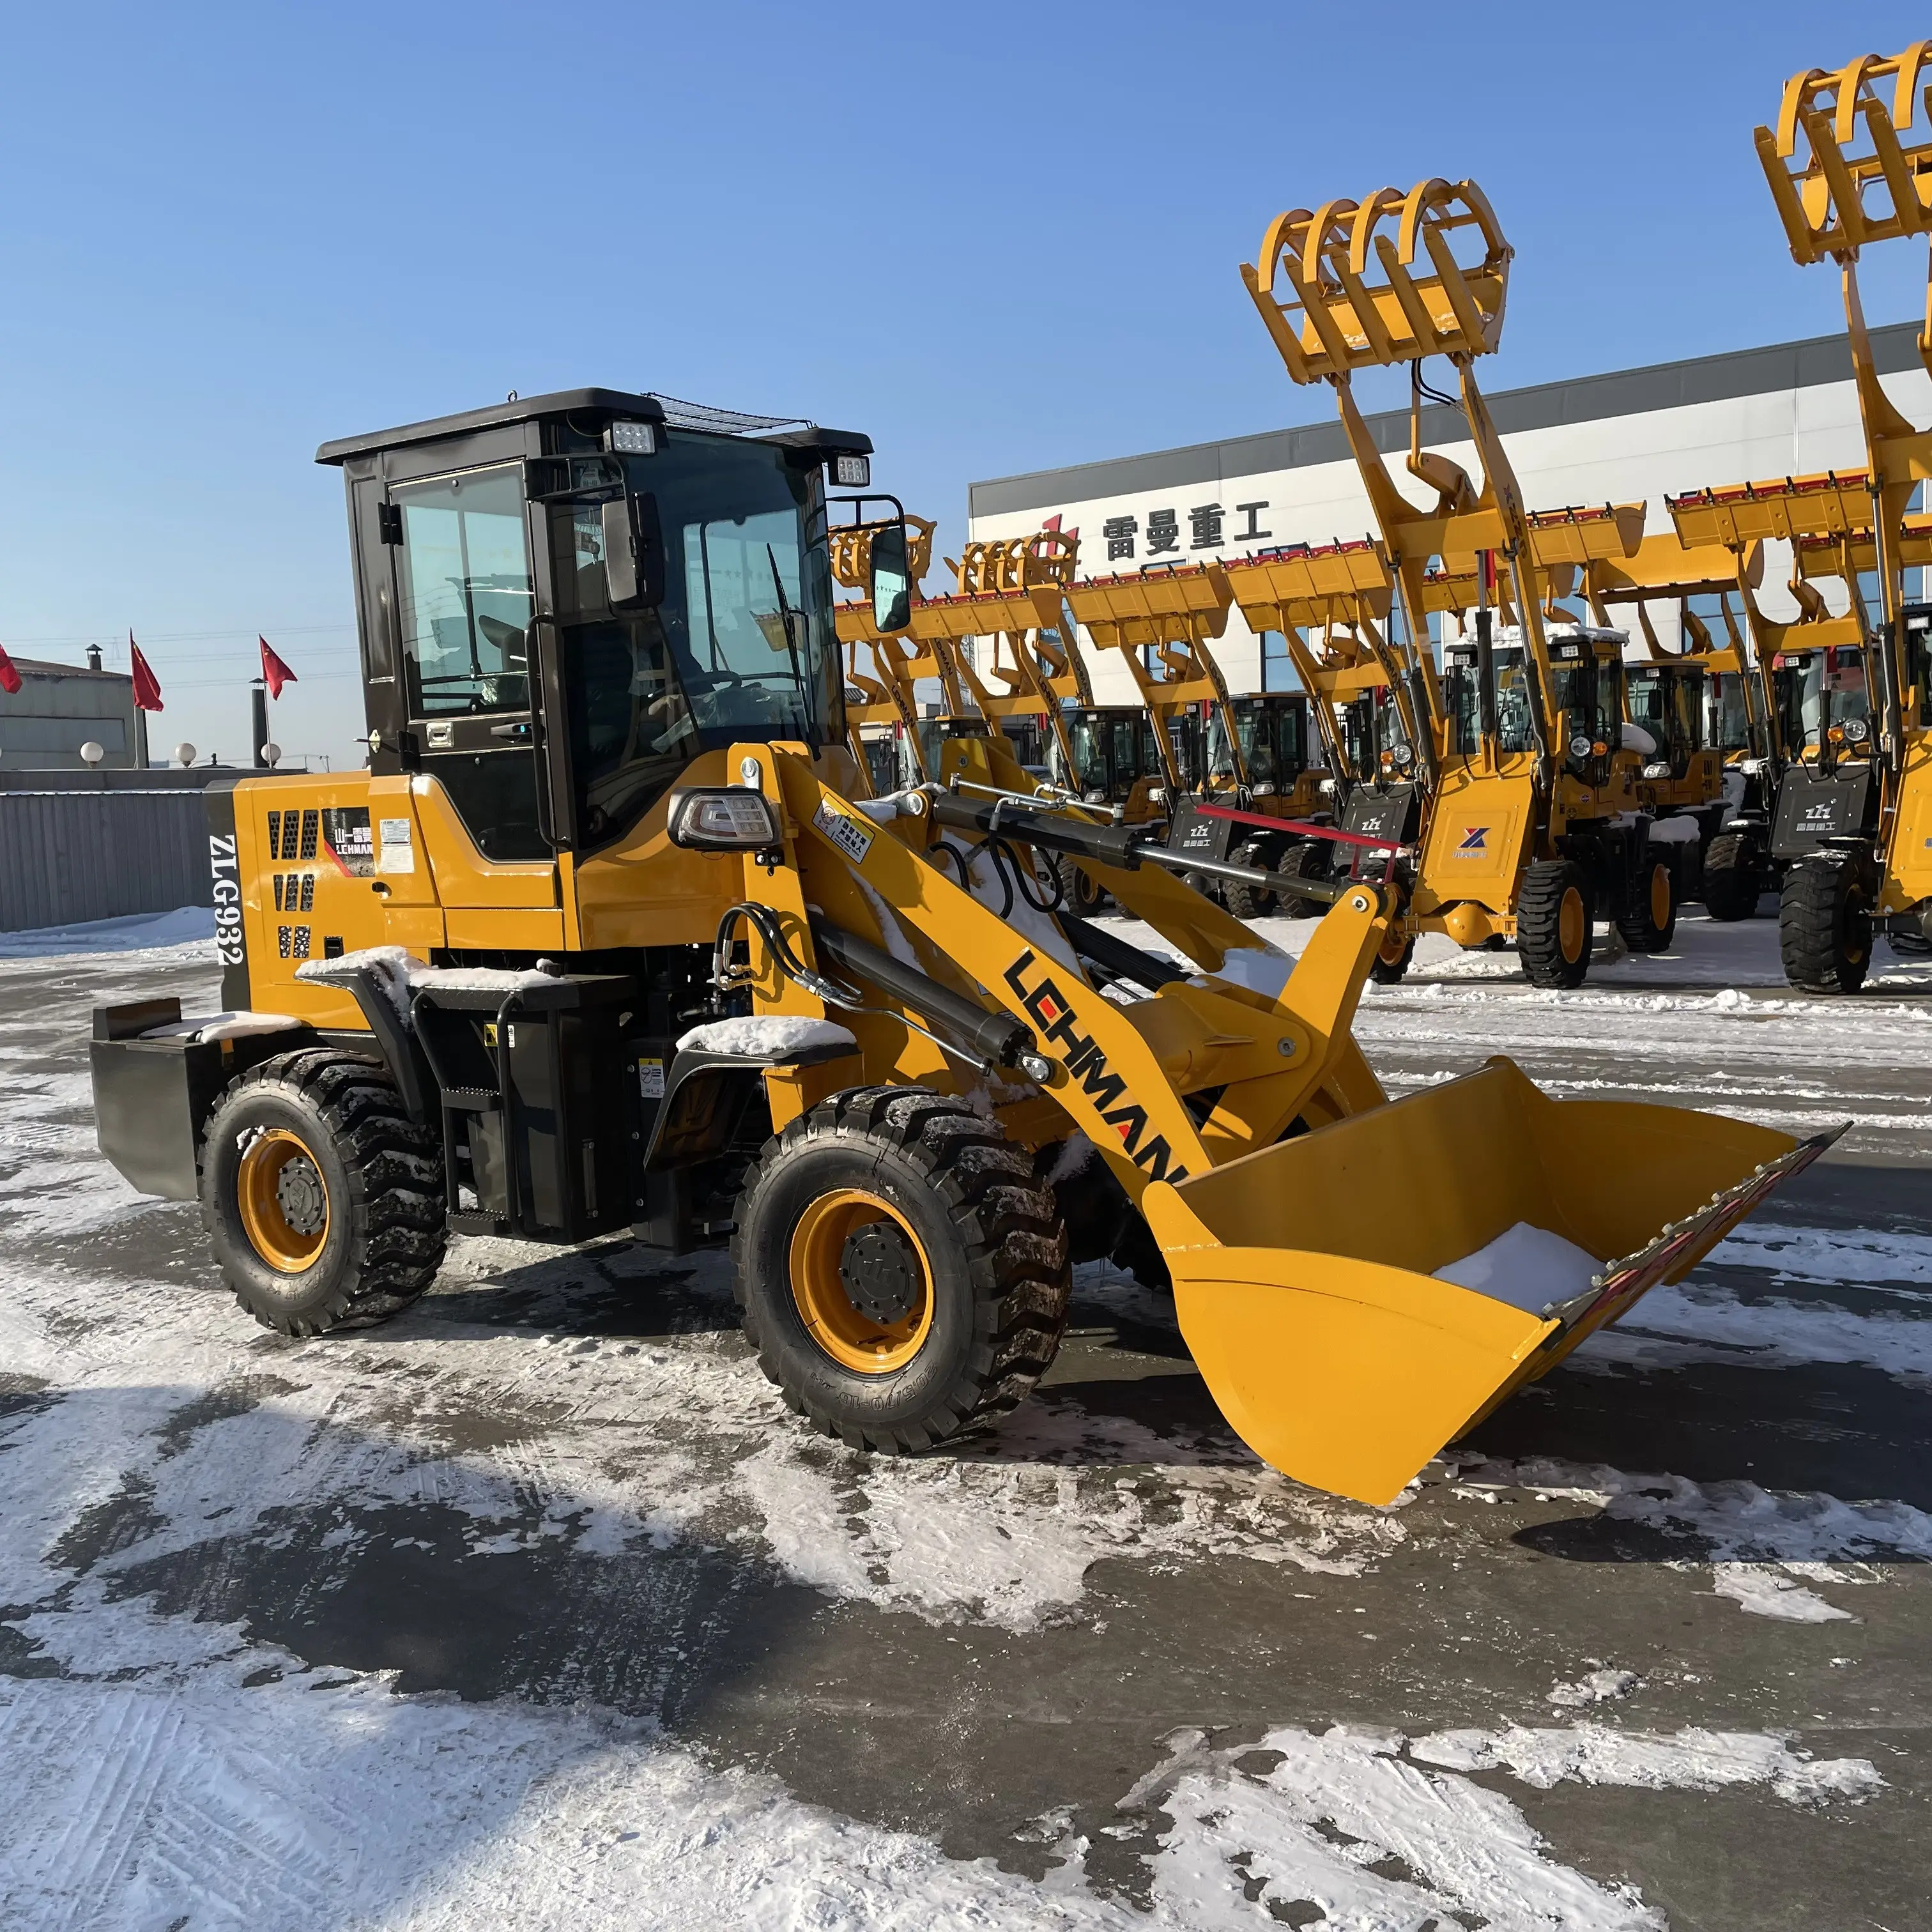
(1302,1273)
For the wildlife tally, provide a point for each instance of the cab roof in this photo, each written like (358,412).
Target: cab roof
(605,404)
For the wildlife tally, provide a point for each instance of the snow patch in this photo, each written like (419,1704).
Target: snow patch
(1261,969)
(1680,830)
(1693,1759)
(400,974)
(771,1035)
(139,933)
(1766,1591)
(223,1026)
(1832,1255)
(1746,1527)
(1527,1267)
(1596,1686)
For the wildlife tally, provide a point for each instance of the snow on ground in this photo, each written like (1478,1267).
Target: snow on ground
(139,932)
(168,1770)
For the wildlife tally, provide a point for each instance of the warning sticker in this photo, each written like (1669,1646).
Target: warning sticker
(397,853)
(651,1079)
(851,838)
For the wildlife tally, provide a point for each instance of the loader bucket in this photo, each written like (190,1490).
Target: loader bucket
(1304,1274)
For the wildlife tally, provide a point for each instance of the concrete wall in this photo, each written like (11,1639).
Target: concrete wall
(1638,435)
(68,855)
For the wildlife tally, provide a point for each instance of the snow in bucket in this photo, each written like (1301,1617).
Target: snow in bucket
(1527,1267)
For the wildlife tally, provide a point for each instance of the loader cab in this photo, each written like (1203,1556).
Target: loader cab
(1374,741)
(562,601)
(1113,752)
(1273,728)
(1823,705)
(1586,672)
(1666,704)
(1917,620)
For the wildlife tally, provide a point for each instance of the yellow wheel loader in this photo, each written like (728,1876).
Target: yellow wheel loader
(606,940)
(1846,164)
(1676,702)
(1161,619)
(1810,777)
(1531,829)
(1329,604)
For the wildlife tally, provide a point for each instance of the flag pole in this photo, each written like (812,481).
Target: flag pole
(259,694)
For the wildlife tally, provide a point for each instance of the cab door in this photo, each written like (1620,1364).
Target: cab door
(466,603)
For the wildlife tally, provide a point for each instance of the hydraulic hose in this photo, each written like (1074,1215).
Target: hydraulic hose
(998,1039)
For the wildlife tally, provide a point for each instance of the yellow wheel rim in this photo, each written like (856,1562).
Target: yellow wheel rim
(1572,929)
(1659,896)
(1395,943)
(283,1200)
(853,1338)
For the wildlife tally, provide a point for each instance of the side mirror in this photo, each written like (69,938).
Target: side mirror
(892,579)
(633,553)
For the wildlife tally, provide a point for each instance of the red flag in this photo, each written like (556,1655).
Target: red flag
(147,686)
(10,678)
(274,673)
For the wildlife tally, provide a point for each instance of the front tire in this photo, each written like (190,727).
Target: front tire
(1649,921)
(1824,926)
(1731,877)
(1083,897)
(322,1199)
(1248,902)
(1310,859)
(903,1275)
(1554,912)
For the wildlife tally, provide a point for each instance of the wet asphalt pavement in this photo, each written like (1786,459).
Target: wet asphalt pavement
(872,1674)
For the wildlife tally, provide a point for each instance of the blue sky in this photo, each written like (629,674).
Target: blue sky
(996,239)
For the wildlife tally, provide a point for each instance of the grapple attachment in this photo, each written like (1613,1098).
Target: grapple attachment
(1305,1275)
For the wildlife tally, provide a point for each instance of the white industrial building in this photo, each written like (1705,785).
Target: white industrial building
(1637,434)
(60,707)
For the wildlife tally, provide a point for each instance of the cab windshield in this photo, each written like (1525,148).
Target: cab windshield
(1727,713)
(1462,696)
(1371,727)
(1273,741)
(1805,683)
(1218,751)
(741,645)
(1088,737)
(1666,703)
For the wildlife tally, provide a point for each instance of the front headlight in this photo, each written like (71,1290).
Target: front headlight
(1659,768)
(1857,731)
(1580,747)
(722,818)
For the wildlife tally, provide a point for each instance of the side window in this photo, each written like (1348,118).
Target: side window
(465,593)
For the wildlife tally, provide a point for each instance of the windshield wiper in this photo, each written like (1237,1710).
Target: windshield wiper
(785,618)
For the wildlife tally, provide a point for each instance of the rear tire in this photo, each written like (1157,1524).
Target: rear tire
(1731,877)
(1824,926)
(1650,920)
(1554,912)
(903,1276)
(1386,971)
(322,1199)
